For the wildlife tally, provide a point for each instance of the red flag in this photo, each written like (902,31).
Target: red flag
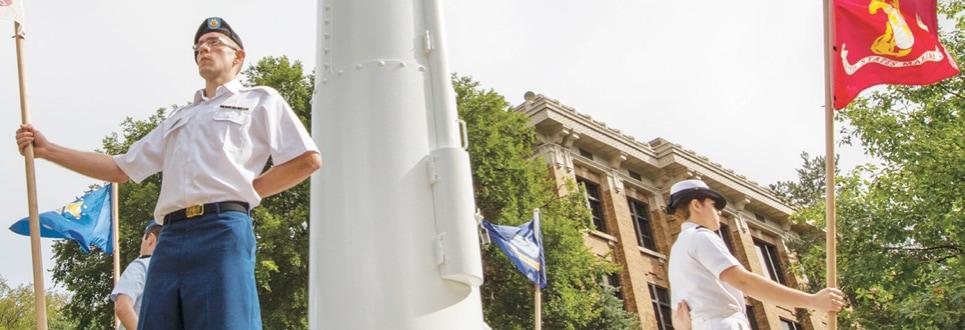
(886,42)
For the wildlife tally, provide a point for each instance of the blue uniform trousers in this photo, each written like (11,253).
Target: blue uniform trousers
(202,275)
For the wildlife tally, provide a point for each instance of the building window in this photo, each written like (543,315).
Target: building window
(635,175)
(660,299)
(613,281)
(594,202)
(724,233)
(585,153)
(790,325)
(760,218)
(641,224)
(767,254)
(751,317)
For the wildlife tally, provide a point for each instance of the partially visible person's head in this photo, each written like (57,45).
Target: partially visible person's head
(149,241)
(693,200)
(218,50)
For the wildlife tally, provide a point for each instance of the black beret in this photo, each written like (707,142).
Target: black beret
(216,24)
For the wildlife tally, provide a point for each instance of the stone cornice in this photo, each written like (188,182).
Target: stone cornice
(542,108)
(669,153)
(670,159)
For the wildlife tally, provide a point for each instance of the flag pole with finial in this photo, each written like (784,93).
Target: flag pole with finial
(28,153)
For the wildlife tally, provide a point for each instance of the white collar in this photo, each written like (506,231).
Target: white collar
(232,87)
(688,225)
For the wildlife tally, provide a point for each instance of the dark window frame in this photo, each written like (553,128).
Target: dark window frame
(635,175)
(772,261)
(642,226)
(612,280)
(662,311)
(594,200)
(585,153)
(724,233)
(790,325)
(751,317)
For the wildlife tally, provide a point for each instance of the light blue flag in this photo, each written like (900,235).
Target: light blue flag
(524,247)
(86,221)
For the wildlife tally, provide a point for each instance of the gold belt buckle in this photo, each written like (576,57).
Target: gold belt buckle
(194,210)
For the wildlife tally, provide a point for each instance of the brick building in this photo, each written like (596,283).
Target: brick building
(628,183)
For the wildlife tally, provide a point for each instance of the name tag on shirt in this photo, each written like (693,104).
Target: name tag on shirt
(233,107)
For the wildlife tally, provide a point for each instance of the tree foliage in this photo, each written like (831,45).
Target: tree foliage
(901,253)
(809,188)
(17,308)
(509,184)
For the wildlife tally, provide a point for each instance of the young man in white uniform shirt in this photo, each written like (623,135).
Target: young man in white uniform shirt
(212,154)
(707,284)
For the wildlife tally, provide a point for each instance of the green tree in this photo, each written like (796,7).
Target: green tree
(17,308)
(901,241)
(509,184)
(807,194)
(281,224)
(809,188)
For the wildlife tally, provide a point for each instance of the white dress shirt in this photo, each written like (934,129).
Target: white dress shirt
(696,260)
(212,150)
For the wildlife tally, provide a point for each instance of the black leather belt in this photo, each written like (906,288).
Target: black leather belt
(202,209)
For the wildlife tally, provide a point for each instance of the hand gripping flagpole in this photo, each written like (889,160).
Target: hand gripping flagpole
(39,292)
(831,227)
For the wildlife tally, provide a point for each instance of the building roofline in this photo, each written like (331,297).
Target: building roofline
(659,153)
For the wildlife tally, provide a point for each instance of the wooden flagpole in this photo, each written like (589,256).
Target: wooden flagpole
(538,300)
(115,241)
(40,303)
(831,228)
(537,293)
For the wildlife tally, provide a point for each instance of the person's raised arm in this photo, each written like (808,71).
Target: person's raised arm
(828,299)
(92,164)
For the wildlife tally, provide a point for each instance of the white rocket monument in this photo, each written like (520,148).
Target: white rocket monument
(394,243)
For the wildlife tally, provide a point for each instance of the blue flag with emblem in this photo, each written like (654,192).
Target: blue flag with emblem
(86,221)
(524,247)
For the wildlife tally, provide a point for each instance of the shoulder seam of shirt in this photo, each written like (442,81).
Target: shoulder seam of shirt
(179,110)
(142,262)
(266,89)
(706,230)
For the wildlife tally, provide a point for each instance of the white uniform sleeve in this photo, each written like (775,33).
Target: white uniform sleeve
(709,250)
(286,136)
(131,282)
(145,157)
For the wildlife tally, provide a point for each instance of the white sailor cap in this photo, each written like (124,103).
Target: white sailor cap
(682,192)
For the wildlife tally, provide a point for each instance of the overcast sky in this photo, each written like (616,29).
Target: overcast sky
(738,82)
